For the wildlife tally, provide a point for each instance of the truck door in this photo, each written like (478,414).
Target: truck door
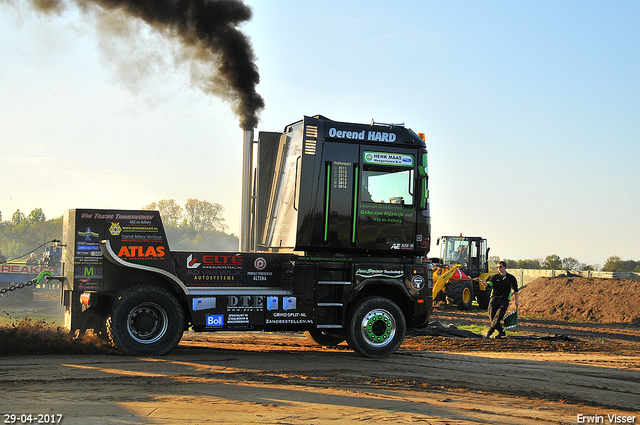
(341,163)
(386,209)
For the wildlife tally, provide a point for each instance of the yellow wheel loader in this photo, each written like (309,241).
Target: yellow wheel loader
(461,272)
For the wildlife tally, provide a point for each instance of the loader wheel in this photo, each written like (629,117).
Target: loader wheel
(145,320)
(483,298)
(375,327)
(461,293)
(324,339)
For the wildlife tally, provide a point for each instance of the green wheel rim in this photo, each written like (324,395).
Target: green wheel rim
(378,327)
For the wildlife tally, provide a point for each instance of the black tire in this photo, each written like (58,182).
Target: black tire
(375,327)
(324,339)
(145,320)
(483,298)
(99,324)
(460,292)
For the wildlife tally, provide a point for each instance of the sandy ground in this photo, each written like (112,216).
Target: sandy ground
(277,378)
(284,378)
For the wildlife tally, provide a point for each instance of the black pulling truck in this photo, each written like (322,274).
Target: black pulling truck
(340,227)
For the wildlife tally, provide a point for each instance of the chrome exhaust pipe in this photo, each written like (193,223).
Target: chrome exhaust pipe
(245,214)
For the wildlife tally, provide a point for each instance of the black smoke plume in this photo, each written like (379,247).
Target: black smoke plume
(208,30)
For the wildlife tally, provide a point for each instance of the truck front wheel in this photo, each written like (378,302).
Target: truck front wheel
(145,320)
(376,327)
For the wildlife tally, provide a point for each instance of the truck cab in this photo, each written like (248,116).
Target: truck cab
(343,188)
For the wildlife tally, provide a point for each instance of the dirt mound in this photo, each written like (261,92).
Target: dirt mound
(582,299)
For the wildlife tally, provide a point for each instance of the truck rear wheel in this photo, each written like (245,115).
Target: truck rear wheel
(322,338)
(375,327)
(461,293)
(145,320)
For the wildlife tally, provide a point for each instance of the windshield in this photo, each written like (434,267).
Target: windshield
(388,185)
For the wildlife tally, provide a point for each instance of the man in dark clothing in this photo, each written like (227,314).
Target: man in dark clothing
(502,283)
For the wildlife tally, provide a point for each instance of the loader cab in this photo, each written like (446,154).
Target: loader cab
(470,252)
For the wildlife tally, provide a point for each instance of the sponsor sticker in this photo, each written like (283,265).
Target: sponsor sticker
(141,252)
(214,320)
(386,158)
(192,262)
(260,263)
(204,303)
(371,272)
(417,282)
(88,234)
(115,228)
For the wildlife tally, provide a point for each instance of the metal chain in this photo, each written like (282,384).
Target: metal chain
(17,286)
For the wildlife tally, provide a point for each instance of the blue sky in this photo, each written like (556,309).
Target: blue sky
(531,111)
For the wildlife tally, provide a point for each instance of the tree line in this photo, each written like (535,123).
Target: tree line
(554,262)
(200,225)
(25,234)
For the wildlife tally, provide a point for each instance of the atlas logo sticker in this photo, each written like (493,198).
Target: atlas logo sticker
(115,228)
(191,262)
(260,263)
(140,252)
